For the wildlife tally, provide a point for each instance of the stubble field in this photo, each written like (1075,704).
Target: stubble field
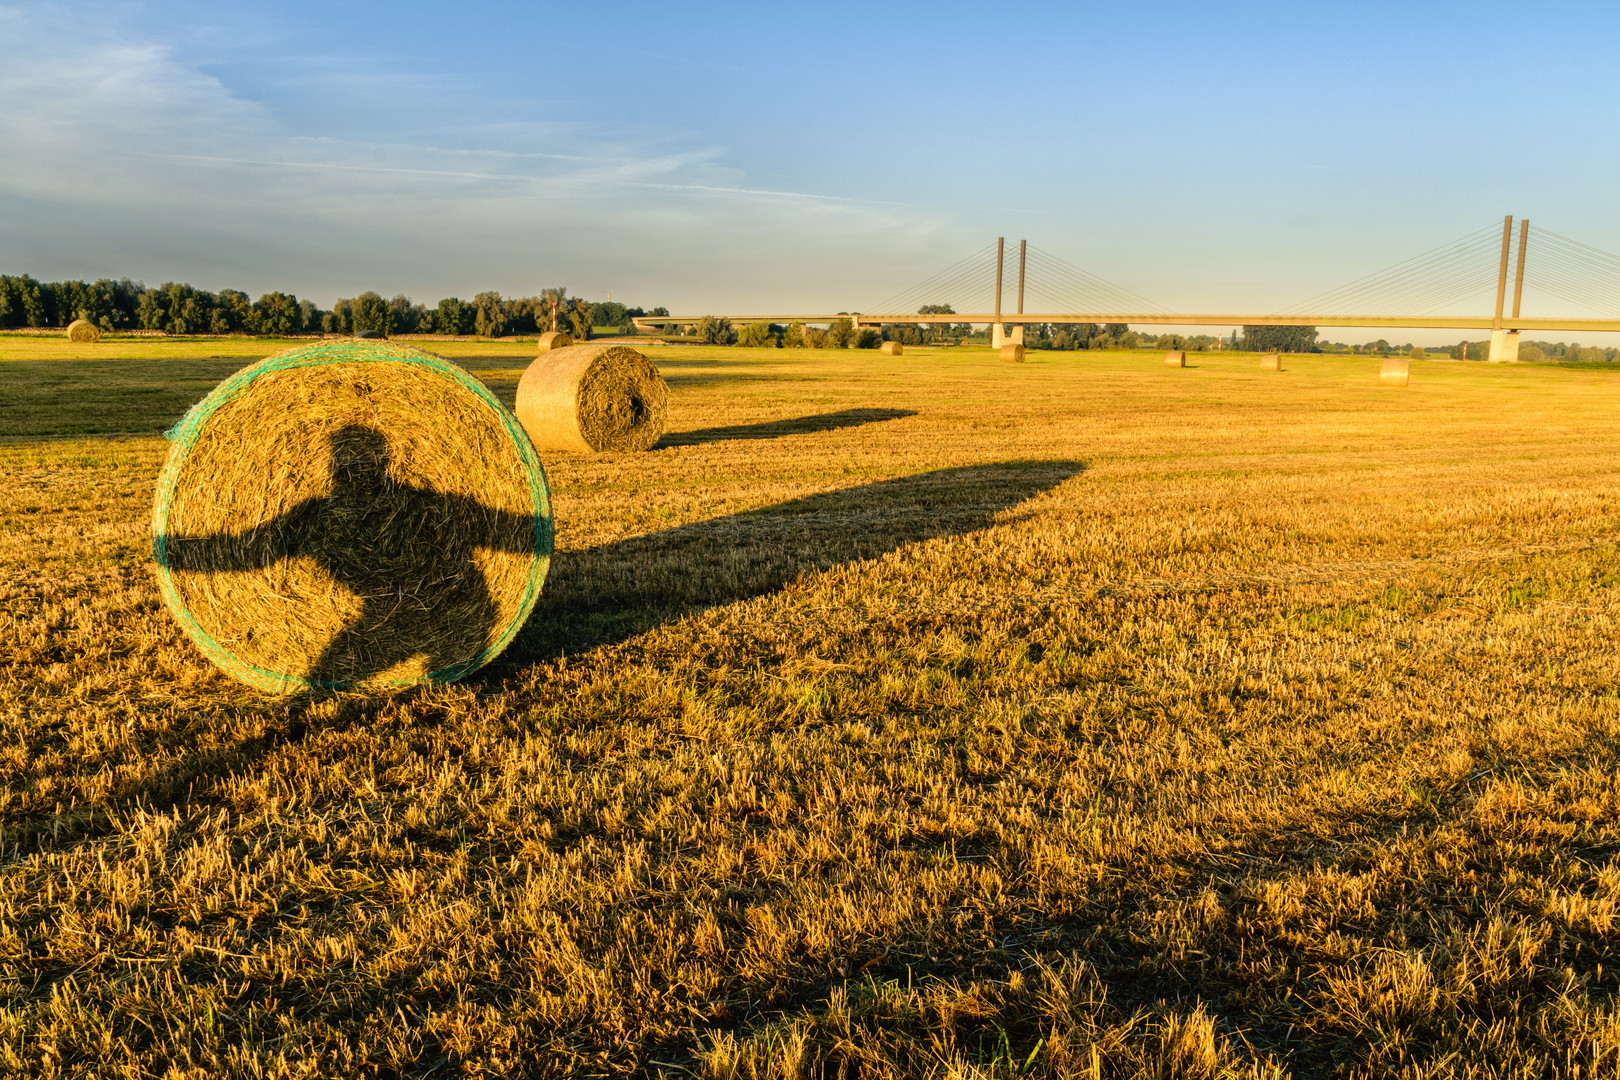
(915,716)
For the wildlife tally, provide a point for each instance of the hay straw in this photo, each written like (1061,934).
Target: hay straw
(351,513)
(83,331)
(592,397)
(1175,359)
(554,339)
(1395,370)
(1012,352)
(891,348)
(1271,362)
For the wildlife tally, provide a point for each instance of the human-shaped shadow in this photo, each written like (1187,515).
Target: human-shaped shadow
(405,552)
(604,595)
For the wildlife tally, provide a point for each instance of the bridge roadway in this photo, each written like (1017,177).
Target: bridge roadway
(1435,322)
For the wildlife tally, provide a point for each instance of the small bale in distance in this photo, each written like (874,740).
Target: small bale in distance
(370,335)
(891,348)
(1013,352)
(554,339)
(1395,370)
(83,331)
(1175,359)
(1271,362)
(351,514)
(594,398)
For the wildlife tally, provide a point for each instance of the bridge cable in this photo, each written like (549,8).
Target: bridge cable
(958,276)
(1442,275)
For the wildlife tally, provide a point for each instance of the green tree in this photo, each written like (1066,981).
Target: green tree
(342,320)
(369,311)
(868,338)
(406,316)
(755,335)
(276,314)
(489,315)
(581,319)
(551,313)
(1281,339)
(451,317)
(236,311)
(713,330)
(840,332)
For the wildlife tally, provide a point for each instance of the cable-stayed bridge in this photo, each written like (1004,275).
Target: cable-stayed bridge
(1008,288)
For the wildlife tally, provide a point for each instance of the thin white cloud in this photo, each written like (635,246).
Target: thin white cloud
(117,149)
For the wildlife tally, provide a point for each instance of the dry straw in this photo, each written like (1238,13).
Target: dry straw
(1395,370)
(351,513)
(1012,352)
(554,339)
(83,330)
(1175,359)
(892,348)
(592,397)
(1271,362)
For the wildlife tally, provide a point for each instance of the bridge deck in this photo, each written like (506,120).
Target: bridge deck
(1435,322)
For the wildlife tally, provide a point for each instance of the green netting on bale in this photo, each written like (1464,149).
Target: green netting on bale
(461,392)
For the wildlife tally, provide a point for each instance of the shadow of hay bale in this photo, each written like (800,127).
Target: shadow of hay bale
(776,429)
(607,594)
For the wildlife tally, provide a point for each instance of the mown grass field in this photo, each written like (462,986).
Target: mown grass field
(916,716)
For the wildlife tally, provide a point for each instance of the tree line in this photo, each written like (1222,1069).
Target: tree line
(176,308)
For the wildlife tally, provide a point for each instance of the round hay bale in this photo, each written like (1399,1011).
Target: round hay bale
(554,339)
(1012,352)
(592,397)
(891,348)
(351,513)
(1395,370)
(1271,362)
(1175,358)
(83,330)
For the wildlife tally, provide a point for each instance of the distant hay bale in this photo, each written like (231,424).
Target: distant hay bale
(1271,362)
(83,331)
(351,513)
(369,335)
(554,339)
(1013,352)
(592,397)
(891,348)
(1175,359)
(1395,370)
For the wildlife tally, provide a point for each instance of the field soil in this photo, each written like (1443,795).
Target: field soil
(896,716)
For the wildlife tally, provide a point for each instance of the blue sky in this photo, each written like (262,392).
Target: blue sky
(748,156)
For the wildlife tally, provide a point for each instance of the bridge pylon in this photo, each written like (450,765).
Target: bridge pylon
(999,334)
(1505,343)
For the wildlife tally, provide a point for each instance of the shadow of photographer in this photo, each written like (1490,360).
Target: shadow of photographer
(603,596)
(606,594)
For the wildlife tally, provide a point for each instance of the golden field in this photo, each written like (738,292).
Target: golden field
(898,716)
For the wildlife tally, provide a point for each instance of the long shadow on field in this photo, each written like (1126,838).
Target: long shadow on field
(776,429)
(603,595)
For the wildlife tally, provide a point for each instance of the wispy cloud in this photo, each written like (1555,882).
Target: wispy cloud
(150,156)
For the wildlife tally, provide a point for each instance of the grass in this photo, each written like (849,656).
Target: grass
(902,716)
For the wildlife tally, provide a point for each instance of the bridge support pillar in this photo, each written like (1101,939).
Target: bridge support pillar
(1504,346)
(1001,335)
